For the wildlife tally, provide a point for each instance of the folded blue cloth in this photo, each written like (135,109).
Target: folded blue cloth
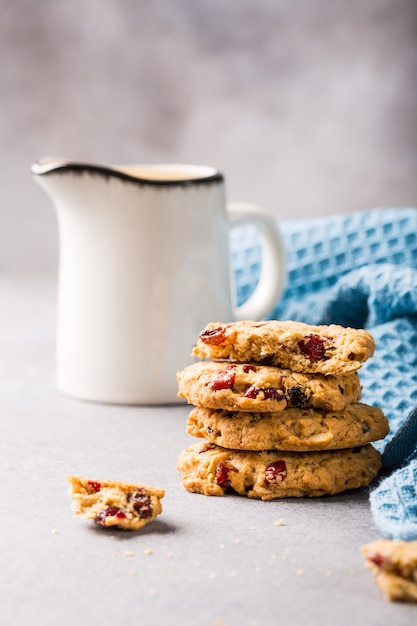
(360,270)
(394,503)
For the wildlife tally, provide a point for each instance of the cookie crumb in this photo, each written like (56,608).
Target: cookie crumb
(148,552)
(300,572)
(128,553)
(280,522)
(153,591)
(328,573)
(54,531)
(221,546)
(213,576)
(238,540)
(169,555)
(132,572)
(233,573)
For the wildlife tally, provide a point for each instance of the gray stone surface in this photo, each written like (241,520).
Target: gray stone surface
(310,108)
(214,561)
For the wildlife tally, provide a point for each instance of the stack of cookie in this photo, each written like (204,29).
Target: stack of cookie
(277,404)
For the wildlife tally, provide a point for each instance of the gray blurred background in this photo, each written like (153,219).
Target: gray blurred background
(308,107)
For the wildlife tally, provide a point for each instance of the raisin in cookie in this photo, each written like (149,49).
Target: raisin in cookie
(394,564)
(212,470)
(251,387)
(292,429)
(293,345)
(111,503)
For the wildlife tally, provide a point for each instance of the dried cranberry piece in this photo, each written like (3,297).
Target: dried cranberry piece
(111,511)
(94,485)
(222,474)
(297,396)
(249,368)
(226,379)
(141,503)
(213,336)
(378,559)
(270,393)
(313,347)
(276,472)
(251,392)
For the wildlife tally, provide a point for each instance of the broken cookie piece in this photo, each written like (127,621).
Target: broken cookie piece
(394,564)
(110,503)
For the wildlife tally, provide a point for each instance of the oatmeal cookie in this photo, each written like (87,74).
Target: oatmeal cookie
(109,503)
(251,387)
(212,470)
(292,429)
(394,564)
(293,345)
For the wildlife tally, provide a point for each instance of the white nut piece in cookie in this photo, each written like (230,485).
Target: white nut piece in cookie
(115,504)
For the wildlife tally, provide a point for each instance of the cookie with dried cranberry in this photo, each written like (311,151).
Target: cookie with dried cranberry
(394,565)
(252,387)
(294,345)
(110,503)
(213,471)
(292,429)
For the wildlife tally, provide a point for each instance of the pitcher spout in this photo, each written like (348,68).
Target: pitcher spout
(47,164)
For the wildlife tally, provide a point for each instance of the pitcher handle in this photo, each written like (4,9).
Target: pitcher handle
(273,266)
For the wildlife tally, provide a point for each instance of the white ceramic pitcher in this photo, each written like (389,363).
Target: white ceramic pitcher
(144,266)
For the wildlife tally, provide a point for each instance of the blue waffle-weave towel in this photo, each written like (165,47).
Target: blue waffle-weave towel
(360,270)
